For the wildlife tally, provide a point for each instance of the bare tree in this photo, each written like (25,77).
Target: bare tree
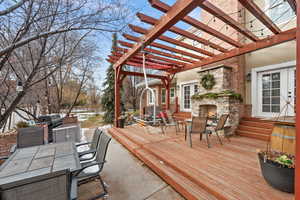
(39,37)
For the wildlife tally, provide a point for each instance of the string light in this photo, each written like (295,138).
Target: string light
(262,32)
(240,13)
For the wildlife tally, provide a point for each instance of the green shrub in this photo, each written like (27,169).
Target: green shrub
(22,124)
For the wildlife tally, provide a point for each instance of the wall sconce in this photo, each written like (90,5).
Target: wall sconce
(248,77)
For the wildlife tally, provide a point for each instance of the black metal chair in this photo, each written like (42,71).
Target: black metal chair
(91,152)
(44,187)
(84,175)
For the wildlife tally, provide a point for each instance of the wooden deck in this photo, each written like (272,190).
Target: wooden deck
(230,171)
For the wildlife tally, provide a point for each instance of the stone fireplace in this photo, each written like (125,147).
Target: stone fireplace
(223,104)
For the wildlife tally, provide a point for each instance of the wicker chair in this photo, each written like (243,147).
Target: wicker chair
(91,152)
(43,187)
(198,126)
(220,126)
(168,121)
(91,170)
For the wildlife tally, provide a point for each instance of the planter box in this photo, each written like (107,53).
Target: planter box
(30,136)
(281,178)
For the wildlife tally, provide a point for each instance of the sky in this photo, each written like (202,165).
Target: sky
(104,41)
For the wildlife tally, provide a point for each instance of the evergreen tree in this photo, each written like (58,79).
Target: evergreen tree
(108,98)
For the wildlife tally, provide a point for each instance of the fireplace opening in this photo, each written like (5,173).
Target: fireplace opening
(207,111)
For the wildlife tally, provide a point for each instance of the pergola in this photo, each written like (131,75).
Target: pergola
(189,56)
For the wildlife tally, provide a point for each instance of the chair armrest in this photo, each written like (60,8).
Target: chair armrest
(84,143)
(87,165)
(86,152)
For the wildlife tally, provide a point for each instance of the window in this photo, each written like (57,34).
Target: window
(271,92)
(172,92)
(163,95)
(196,89)
(279,11)
(151,97)
(187,97)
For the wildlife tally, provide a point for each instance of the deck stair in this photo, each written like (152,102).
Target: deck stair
(255,128)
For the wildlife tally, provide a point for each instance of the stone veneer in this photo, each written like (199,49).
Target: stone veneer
(224,104)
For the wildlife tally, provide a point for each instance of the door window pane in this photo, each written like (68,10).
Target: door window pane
(163,95)
(271,92)
(187,97)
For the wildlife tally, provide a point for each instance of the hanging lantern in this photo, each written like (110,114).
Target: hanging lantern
(19,87)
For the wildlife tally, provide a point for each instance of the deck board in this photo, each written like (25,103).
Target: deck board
(229,171)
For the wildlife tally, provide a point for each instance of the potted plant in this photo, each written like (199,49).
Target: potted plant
(278,169)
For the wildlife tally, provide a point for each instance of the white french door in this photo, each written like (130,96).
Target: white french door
(188,90)
(276,90)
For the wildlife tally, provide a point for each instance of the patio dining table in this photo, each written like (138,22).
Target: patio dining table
(39,160)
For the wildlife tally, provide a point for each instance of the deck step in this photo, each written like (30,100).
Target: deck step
(257,124)
(255,128)
(262,131)
(131,146)
(253,135)
(180,183)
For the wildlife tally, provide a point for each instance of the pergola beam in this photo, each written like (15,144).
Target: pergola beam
(197,24)
(153,58)
(148,63)
(139,65)
(217,12)
(128,73)
(260,15)
(165,47)
(180,9)
(268,42)
(150,20)
(143,31)
(130,45)
(293,5)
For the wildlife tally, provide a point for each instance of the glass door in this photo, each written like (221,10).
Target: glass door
(291,92)
(276,93)
(187,97)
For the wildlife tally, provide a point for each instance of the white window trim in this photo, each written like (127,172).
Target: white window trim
(254,80)
(191,82)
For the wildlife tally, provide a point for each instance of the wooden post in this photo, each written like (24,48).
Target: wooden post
(297,176)
(117,96)
(168,95)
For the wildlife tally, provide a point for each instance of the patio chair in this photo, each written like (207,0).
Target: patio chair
(91,170)
(220,126)
(43,187)
(198,126)
(92,145)
(168,121)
